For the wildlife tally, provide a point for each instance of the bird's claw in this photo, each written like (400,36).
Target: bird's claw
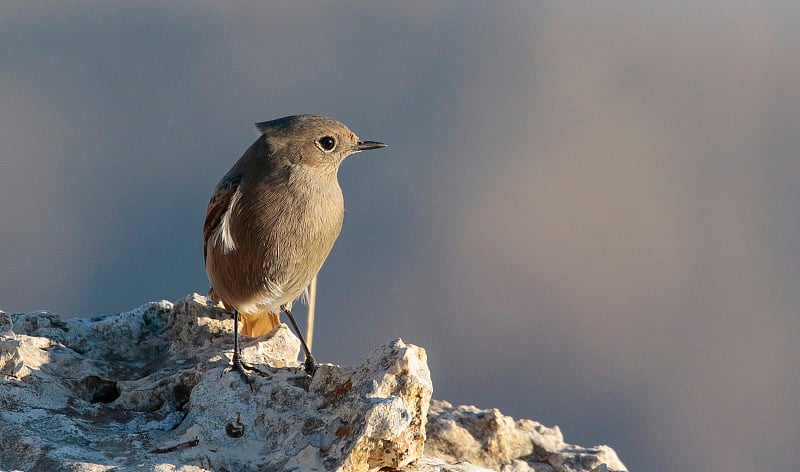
(310,365)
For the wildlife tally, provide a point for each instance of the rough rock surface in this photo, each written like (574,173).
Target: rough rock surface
(490,439)
(150,390)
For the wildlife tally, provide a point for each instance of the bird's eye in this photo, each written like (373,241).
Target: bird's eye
(327,143)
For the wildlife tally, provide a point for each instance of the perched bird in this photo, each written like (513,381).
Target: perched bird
(273,218)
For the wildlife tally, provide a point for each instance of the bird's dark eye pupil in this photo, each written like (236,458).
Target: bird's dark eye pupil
(327,143)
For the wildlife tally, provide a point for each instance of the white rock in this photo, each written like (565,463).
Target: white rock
(490,439)
(150,390)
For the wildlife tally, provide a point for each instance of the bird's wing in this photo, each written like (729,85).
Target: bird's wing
(217,228)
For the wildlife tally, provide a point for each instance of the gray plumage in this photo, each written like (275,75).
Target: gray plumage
(274,217)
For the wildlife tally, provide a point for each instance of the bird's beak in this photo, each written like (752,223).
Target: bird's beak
(367,145)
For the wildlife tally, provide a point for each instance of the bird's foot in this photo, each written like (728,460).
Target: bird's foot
(243,369)
(310,365)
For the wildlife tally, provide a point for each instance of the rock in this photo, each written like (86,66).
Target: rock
(490,439)
(10,359)
(349,419)
(150,390)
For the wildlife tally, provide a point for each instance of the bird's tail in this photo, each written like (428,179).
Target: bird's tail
(259,323)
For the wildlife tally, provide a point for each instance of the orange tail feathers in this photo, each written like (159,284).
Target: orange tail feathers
(259,323)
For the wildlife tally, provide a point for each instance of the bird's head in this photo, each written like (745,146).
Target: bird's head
(312,141)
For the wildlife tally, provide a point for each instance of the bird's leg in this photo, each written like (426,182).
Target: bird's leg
(237,353)
(237,363)
(310,364)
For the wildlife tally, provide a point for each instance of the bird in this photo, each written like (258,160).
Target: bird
(273,219)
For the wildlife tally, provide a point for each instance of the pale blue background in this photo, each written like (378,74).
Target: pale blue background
(589,212)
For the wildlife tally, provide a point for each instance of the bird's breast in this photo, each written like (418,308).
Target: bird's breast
(283,238)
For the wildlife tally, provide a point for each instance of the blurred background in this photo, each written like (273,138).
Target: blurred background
(588,213)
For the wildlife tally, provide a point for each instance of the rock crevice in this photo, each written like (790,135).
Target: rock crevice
(150,389)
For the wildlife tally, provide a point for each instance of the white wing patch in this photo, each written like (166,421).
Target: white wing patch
(222,234)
